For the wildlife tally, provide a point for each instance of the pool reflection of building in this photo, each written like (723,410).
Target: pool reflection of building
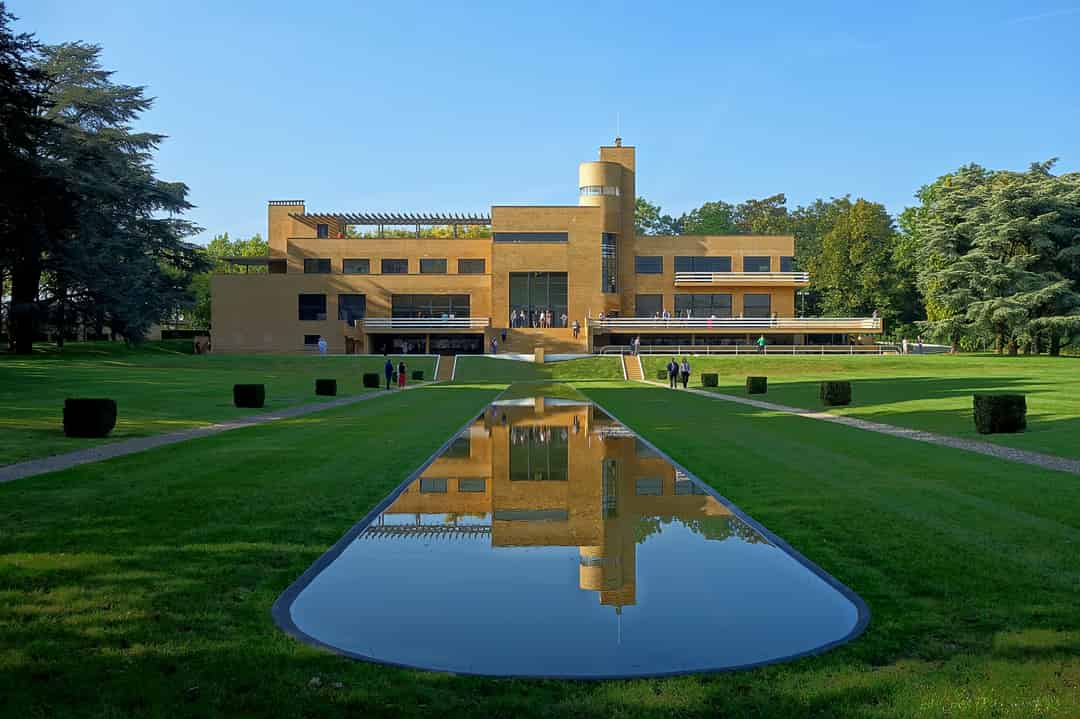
(557,474)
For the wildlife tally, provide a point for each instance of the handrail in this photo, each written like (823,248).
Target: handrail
(876,349)
(864,323)
(721,278)
(422,322)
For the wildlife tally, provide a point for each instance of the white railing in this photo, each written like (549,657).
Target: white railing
(425,323)
(806,324)
(742,278)
(875,349)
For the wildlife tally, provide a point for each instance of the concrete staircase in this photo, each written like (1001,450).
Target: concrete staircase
(446,368)
(555,340)
(632,366)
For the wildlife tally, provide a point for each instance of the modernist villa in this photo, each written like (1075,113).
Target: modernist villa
(448,283)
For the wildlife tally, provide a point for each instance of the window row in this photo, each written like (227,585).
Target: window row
(654,264)
(353,307)
(610,190)
(362,266)
(703,305)
(431,485)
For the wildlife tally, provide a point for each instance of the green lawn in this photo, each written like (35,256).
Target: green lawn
(931,392)
(157,389)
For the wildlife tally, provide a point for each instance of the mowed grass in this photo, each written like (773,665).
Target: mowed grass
(157,389)
(142,586)
(929,392)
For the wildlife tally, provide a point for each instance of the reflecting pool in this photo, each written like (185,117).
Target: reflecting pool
(547,539)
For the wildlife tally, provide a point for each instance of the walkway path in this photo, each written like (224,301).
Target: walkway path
(1047,461)
(55,463)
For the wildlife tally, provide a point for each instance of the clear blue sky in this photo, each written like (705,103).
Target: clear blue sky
(425,106)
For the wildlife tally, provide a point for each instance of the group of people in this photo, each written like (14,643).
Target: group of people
(388,370)
(905,346)
(678,371)
(536,318)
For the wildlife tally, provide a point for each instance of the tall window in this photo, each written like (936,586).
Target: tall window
(312,307)
(703,305)
(322,231)
(433,267)
(648,264)
(404,306)
(319,266)
(698,263)
(356,267)
(351,308)
(539,453)
(756,264)
(787,264)
(471,267)
(757,306)
(536,296)
(609,263)
(648,305)
(395,267)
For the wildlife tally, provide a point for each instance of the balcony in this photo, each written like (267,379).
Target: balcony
(800,325)
(712,279)
(423,324)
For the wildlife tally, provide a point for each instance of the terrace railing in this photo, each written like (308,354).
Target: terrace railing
(875,349)
(795,324)
(683,279)
(385,324)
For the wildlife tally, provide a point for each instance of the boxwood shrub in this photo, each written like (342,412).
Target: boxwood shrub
(757,385)
(89,417)
(327,387)
(710,379)
(997,413)
(834,394)
(249,395)
(418,375)
(662,375)
(371,380)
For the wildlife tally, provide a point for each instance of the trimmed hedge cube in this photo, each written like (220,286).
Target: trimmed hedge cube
(371,380)
(757,385)
(326,387)
(835,394)
(418,375)
(662,375)
(999,413)
(249,395)
(89,417)
(710,379)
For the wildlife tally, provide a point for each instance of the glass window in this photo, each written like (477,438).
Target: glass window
(432,486)
(311,339)
(756,264)
(609,190)
(471,267)
(703,305)
(351,308)
(649,487)
(787,264)
(648,264)
(433,267)
(757,306)
(320,266)
(459,448)
(539,453)
(322,231)
(648,305)
(312,307)
(531,237)
(538,299)
(700,263)
(471,485)
(395,267)
(356,267)
(609,486)
(609,263)
(443,306)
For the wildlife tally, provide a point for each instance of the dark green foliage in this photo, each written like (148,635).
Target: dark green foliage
(710,379)
(326,387)
(834,394)
(757,385)
(999,413)
(249,395)
(371,380)
(89,417)
(418,375)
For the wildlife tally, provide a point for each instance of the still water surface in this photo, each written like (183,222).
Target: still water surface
(548,540)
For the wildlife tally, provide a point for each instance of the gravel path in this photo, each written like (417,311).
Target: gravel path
(1047,461)
(11,472)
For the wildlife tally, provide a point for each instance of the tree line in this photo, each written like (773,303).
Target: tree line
(986,258)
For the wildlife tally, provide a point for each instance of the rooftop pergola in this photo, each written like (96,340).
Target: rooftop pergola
(382,219)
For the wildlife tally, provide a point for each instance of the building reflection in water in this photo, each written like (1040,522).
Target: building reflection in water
(557,473)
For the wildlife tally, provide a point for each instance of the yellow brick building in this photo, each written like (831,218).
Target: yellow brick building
(568,279)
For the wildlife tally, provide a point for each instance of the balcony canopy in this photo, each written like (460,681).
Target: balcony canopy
(311,219)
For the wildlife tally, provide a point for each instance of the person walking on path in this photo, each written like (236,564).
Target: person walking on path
(401,374)
(494,346)
(388,370)
(322,345)
(673,373)
(684,371)
(761,344)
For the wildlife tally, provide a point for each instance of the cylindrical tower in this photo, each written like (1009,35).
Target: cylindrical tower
(600,185)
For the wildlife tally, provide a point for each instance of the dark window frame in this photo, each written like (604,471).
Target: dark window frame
(300,309)
(750,259)
(322,231)
(639,312)
(787,263)
(530,236)
(351,316)
(757,311)
(703,263)
(461,263)
(427,261)
(638,265)
(321,268)
(366,260)
(384,264)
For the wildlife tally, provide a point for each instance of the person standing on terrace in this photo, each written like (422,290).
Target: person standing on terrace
(761,344)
